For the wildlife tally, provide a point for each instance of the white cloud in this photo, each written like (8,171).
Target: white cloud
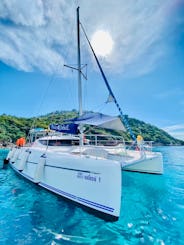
(20,12)
(176,131)
(40,34)
(175,127)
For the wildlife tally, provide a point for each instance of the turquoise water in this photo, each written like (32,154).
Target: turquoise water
(152,210)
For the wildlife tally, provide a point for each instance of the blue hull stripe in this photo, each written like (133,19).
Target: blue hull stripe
(94,204)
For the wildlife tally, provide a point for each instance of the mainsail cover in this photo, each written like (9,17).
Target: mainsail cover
(69,128)
(100,120)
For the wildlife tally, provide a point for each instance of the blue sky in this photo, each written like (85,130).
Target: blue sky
(145,68)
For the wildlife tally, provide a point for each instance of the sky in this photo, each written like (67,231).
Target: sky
(144,67)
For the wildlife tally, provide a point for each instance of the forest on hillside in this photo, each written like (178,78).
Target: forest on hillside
(12,128)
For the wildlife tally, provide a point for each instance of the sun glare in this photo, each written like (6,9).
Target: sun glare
(102,43)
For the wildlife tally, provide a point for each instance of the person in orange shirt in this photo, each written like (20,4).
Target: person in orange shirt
(21,142)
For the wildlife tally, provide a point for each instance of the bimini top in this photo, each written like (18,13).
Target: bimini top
(100,120)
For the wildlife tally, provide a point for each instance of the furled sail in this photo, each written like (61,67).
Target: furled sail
(100,120)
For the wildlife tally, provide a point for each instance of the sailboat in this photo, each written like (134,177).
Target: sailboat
(87,171)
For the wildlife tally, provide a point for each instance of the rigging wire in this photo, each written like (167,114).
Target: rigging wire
(52,79)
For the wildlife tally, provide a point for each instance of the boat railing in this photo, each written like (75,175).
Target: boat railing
(113,140)
(104,140)
(109,141)
(102,144)
(148,145)
(141,146)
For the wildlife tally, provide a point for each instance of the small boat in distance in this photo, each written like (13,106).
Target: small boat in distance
(86,170)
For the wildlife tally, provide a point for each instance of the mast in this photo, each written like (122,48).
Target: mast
(79,77)
(79,65)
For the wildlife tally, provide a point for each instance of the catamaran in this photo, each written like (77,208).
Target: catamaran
(86,169)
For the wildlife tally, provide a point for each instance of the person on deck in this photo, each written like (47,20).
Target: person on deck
(21,142)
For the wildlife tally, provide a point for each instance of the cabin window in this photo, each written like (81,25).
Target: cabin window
(43,142)
(62,142)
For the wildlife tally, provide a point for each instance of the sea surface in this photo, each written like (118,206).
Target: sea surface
(152,210)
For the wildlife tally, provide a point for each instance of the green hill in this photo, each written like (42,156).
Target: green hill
(11,128)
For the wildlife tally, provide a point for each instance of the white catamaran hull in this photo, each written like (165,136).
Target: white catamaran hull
(92,182)
(149,162)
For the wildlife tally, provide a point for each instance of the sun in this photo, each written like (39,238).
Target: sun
(102,43)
